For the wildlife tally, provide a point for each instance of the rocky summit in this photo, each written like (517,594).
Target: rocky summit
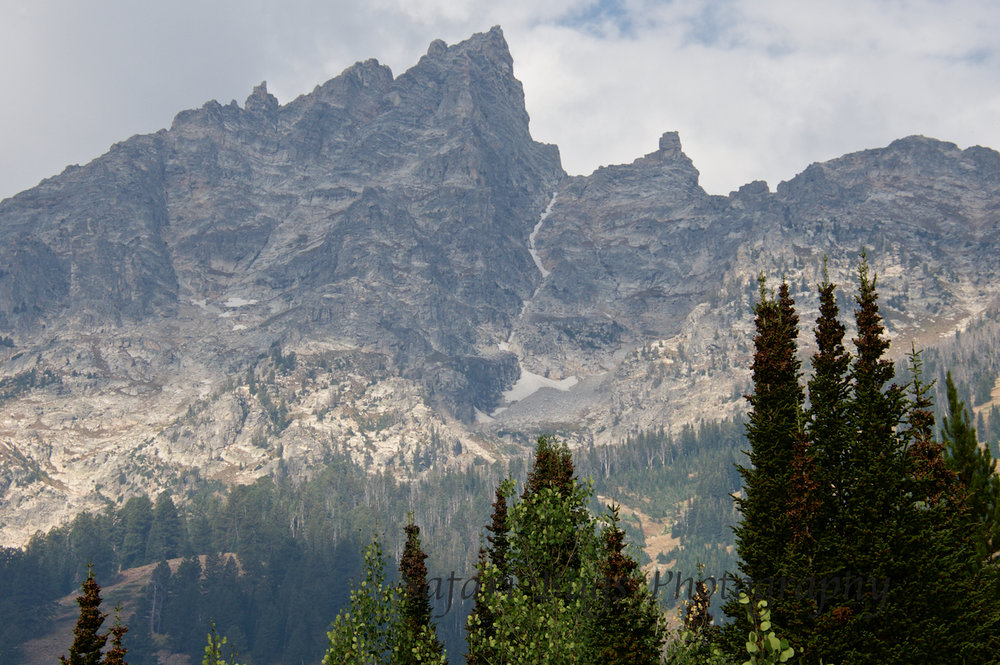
(392,267)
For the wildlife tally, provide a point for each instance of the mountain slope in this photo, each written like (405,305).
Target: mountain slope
(392,266)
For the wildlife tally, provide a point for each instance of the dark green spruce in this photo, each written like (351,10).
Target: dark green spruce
(88,640)
(416,639)
(627,624)
(772,430)
(975,467)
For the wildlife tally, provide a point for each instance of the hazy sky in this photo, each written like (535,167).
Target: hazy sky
(757,89)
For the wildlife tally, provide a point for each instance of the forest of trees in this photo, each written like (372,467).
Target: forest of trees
(865,532)
(315,530)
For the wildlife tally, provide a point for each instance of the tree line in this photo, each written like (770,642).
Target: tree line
(318,525)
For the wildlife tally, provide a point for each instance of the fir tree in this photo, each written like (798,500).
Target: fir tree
(627,627)
(136,518)
(772,430)
(874,514)
(975,468)
(933,534)
(499,541)
(552,469)
(873,466)
(829,391)
(553,503)
(876,409)
(156,590)
(88,640)
(416,640)
(116,654)
(820,484)
(141,644)
(165,534)
(495,555)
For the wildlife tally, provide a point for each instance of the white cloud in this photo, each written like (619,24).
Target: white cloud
(756,89)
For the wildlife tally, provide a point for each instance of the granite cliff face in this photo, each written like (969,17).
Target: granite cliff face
(392,266)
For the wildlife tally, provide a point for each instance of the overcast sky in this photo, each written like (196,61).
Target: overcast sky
(757,90)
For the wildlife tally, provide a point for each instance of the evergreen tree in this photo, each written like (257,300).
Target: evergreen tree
(627,627)
(553,503)
(994,437)
(88,640)
(182,616)
(136,518)
(933,534)
(829,391)
(873,462)
(116,655)
(481,618)
(165,540)
(551,469)
(416,640)
(156,590)
(874,469)
(975,467)
(499,542)
(141,645)
(773,426)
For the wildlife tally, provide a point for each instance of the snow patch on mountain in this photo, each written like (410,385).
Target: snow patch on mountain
(235,301)
(530,383)
(534,232)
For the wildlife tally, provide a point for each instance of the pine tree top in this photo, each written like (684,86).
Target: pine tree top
(88,640)
(416,606)
(553,468)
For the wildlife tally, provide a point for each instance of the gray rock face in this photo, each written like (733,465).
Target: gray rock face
(415,195)
(437,275)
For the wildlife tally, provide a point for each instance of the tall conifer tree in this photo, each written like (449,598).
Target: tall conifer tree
(975,468)
(416,640)
(627,627)
(88,640)
(829,392)
(547,613)
(498,538)
(488,583)
(933,535)
(820,488)
(116,654)
(552,501)
(772,430)
(166,533)
(873,464)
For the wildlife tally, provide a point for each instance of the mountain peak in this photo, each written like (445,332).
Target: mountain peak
(437,47)
(670,145)
(491,44)
(260,99)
